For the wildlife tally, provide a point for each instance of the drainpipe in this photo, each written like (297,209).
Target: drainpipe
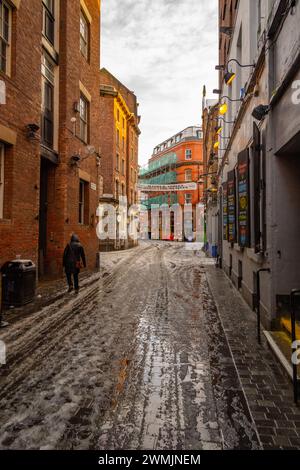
(263,270)
(294,346)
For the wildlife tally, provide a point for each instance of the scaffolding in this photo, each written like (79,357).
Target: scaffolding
(166,163)
(160,172)
(169,199)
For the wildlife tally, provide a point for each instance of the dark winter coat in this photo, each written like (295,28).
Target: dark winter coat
(73,252)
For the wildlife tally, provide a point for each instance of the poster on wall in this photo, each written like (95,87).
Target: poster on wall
(225,212)
(231,207)
(243,199)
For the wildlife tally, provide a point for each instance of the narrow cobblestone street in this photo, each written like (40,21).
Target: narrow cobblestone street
(143,359)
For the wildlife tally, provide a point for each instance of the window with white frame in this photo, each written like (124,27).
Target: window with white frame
(188,154)
(49,20)
(5,36)
(188,175)
(84,118)
(1,180)
(188,198)
(84,35)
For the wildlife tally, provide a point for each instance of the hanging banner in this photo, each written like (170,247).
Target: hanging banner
(225,212)
(243,199)
(231,207)
(164,188)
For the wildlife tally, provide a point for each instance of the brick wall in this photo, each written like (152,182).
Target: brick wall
(19,231)
(19,228)
(108,139)
(227,17)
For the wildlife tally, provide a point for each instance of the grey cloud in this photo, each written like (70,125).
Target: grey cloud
(165,50)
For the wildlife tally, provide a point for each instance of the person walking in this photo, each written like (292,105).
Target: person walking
(73,261)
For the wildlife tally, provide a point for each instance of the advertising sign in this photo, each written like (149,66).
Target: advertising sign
(231,207)
(225,212)
(243,199)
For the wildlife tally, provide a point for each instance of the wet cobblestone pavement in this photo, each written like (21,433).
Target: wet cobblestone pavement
(268,391)
(140,360)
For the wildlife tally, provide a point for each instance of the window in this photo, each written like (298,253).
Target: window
(123,189)
(188,175)
(84,36)
(84,119)
(132,154)
(117,190)
(123,167)
(5,36)
(47,118)
(123,140)
(118,138)
(83,202)
(188,154)
(48,20)
(118,162)
(188,198)
(1,180)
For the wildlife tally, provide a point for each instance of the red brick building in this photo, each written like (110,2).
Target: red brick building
(178,159)
(227,19)
(119,132)
(49,129)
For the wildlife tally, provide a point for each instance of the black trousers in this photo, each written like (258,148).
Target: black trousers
(75,277)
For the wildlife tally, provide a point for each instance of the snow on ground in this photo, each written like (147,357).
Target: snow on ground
(126,364)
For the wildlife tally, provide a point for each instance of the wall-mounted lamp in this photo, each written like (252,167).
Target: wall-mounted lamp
(75,160)
(230,75)
(260,112)
(223,109)
(224,120)
(32,129)
(230,99)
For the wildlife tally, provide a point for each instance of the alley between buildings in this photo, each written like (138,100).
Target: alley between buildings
(139,360)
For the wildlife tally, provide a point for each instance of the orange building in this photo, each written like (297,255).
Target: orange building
(177,160)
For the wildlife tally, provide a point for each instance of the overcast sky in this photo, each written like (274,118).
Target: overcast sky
(164,51)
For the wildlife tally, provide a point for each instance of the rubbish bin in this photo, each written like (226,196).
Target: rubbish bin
(18,283)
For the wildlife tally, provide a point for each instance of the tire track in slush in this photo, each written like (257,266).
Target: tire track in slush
(46,333)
